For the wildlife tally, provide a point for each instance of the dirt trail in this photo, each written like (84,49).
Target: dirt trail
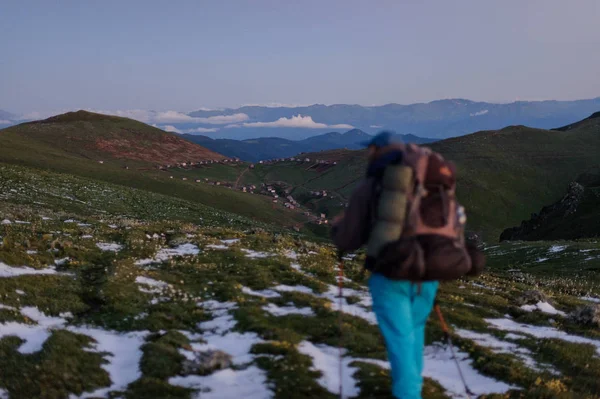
(237,182)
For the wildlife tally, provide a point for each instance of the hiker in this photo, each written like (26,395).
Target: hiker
(406,214)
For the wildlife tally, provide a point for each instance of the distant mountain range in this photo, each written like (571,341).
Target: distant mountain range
(6,117)
(437,119)
(253,150)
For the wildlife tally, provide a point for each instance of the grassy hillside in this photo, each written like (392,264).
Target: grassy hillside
(74,143)
(576,215)
(504,175)
(593,119)
(107,291)
(100,137)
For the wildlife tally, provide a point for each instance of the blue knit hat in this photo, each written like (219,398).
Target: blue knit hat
(381,139)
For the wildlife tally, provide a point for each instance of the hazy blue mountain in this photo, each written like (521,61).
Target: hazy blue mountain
(437,119)
(6,116)
(263,148)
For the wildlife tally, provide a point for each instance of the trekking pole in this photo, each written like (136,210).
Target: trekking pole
(340,320)
(448,338)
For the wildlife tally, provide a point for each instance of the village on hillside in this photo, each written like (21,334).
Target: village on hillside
(280,193)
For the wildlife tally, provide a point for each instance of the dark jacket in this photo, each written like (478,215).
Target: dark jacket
(352,231)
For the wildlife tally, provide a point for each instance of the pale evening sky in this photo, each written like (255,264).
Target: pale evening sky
(184,55)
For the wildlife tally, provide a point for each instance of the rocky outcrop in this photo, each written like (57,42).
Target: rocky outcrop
(531,297)
(561,209)
(588,315)
(205,362)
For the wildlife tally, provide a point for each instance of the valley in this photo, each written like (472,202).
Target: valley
(529,168)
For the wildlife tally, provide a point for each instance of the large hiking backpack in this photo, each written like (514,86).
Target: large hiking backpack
(418,226)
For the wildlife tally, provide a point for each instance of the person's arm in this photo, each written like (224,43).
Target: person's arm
(351,231)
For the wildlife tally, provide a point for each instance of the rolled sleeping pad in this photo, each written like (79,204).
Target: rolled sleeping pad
(382,234)
(397,177)
(391,208)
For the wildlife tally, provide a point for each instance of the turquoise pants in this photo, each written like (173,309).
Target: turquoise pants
(402,313)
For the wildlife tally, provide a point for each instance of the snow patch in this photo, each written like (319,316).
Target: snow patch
(287,310)
(167,253)
(479,113)
(514,336)
(326,360)
(222,321)
(106,246)
(293,288)
(60,262)
(250,383)
(123,350)
(541,332)
(481,286)
(590,299)
(10,271)
(262,293)
(123,354)
(217,246)
(33,335)
(499,346)
(256,254)
(359,309)
(543,307)
(556,248)
(156,285)
(440,366)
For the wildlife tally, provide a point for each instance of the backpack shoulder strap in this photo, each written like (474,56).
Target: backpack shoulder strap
(418,159)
